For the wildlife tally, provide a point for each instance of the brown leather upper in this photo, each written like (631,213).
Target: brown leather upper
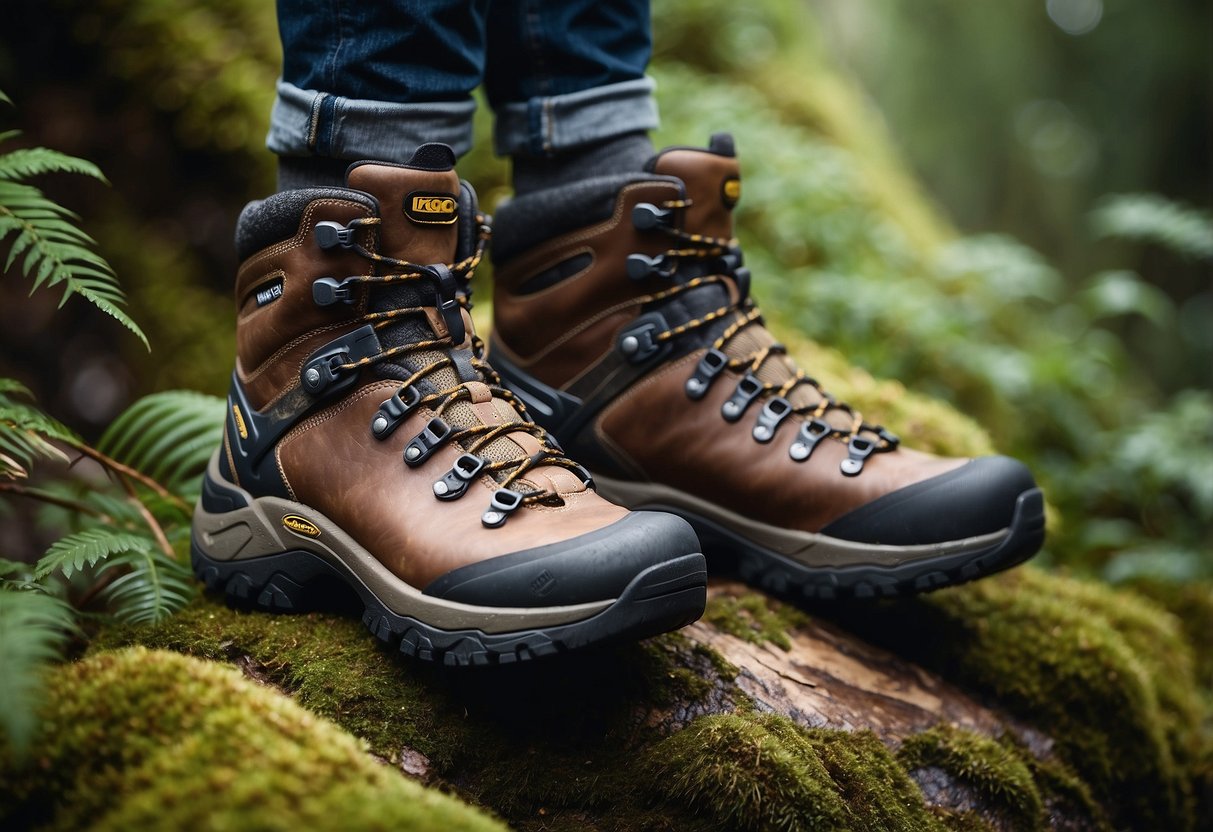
(558,332)
(653,429)
(273,341)
(330,460)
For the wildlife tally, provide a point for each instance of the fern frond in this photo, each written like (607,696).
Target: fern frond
(8,568)
(155,587)
(25,432)
(87,548)
(45,241)
(33,628)
(168,436)
(34,161)
(5,98)
(1155,219)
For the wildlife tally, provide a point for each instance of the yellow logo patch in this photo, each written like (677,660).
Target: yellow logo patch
(241,428)
(731,191)
(431,208)
(300,525)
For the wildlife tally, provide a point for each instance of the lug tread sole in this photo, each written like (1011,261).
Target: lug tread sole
(787,578)
(663,597)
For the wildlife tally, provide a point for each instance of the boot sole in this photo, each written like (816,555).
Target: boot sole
(817,567)
(257,561)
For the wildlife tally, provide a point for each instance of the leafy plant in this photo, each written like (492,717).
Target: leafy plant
(123,555)
(41,233)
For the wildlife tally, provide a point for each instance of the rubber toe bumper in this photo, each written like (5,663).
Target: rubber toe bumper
(591,567)
(975,499)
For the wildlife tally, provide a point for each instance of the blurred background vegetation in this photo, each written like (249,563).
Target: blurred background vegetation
(1006,206)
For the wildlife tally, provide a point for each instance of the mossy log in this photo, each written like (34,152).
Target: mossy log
(1027,701)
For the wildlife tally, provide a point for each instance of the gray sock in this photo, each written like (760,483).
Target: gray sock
(310,172)
(622,154)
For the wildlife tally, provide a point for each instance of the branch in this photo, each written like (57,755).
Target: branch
(157,532)
(126,470)
(54,499)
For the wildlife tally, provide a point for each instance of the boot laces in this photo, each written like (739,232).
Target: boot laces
(508,472)
(724,263)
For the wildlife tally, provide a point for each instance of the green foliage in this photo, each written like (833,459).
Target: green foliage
(85,548)
(127,536)
(154,585)
(56,252)
(25,432)
(1151,218)
(143,740)
(33,629)
(129,539)
(168,436)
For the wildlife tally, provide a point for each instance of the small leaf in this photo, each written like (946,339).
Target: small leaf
(88,547)
(155,587)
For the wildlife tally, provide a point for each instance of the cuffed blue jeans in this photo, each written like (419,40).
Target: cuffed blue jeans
(375,78)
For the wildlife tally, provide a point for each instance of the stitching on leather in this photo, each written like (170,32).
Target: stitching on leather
(548,249)
(300,235)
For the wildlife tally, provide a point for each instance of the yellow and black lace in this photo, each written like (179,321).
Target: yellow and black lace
(723,261)
(452,294)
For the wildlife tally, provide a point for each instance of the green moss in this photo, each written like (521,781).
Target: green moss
(755,618)
(1192,604)
(330,664)
(139,739)
(994,771)
(554,736)
(1105,674)
(744,771)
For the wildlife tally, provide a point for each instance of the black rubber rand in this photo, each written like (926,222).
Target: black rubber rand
(663,597)
(780,575)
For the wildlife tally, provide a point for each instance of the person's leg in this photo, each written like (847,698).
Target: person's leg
(372,81)
(567,83)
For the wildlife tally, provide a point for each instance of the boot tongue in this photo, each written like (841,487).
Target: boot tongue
(712,178)
(418,204)
(419,222)
(419,213)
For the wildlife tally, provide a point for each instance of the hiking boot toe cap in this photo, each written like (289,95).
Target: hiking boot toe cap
(978,498)
(595,566)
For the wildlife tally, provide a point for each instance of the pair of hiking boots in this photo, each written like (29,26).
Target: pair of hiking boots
(370,446)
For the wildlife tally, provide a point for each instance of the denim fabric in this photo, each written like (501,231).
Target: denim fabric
(309,123)
(375,79)
(546,126)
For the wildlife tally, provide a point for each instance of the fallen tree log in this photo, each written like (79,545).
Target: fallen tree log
(1024,702)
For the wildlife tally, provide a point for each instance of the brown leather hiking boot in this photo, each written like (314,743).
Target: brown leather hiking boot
(624,321)
(368,446)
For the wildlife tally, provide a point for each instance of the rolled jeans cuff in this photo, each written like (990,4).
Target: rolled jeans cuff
(311,123)
(543,126)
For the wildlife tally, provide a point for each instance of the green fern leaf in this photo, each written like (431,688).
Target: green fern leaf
(33,628)
(168,436)
(8,568)
(1155,219)
(155,587)
(87,548)
(44,240)
(34,161)
(25,432)
(5,98)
